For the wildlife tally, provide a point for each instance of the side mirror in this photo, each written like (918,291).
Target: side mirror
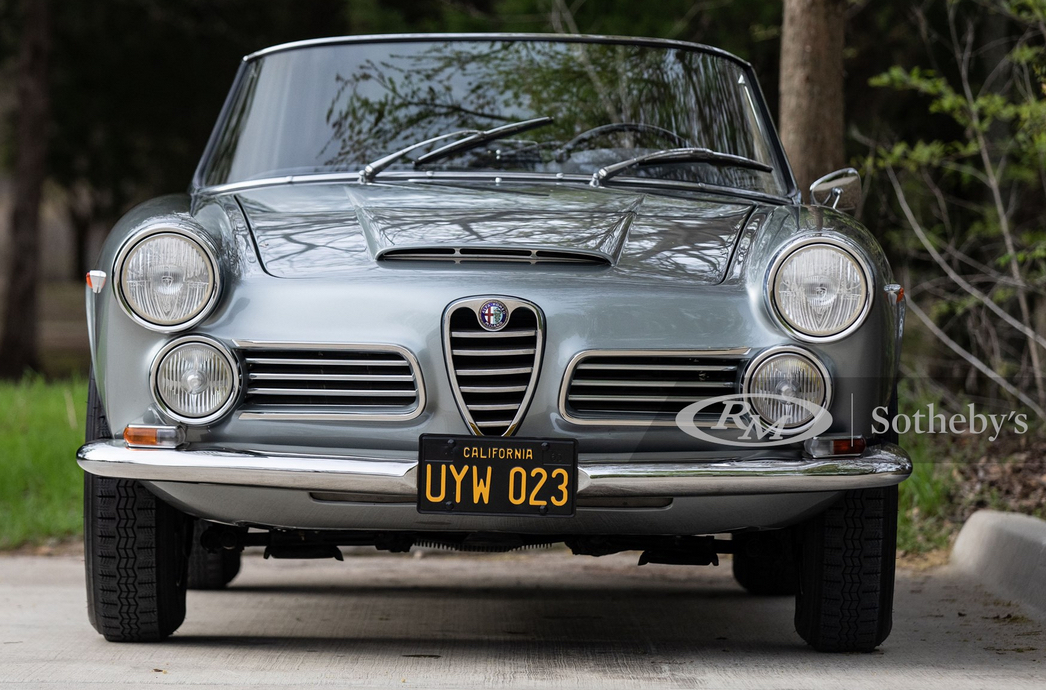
(840,190)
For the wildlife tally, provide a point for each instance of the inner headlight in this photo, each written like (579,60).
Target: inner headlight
(168,280)
(820,290)
(787,388)
(195,381)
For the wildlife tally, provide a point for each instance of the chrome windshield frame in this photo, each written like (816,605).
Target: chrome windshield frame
(767,128)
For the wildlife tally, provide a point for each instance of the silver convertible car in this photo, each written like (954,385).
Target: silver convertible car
(484,292)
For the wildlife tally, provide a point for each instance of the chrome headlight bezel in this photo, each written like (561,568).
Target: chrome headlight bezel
(220,347)
(187,232)
(770,286)
(778,350)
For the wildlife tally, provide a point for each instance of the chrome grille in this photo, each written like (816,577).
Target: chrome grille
(376,381)
(469,254)
(493,373)
(644,386)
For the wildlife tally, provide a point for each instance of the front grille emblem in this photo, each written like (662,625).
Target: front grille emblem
(493,348)
(493,315)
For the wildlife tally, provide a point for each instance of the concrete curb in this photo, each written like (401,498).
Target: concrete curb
(1007,553)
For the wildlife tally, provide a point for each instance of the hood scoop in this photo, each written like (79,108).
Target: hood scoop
(494,254)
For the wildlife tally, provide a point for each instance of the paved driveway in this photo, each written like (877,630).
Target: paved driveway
(534,619)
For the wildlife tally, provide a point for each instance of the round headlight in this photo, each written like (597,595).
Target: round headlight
(168,280)
(820,290)
(194,380)
(787,388)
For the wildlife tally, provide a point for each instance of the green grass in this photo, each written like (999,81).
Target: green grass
(925,498)
(41,486)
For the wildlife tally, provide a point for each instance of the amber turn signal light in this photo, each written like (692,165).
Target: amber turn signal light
(96,281)
(828,446)
(152,436)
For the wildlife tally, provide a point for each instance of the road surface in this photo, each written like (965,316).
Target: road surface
(526,620)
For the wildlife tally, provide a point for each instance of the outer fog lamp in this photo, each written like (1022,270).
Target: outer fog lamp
(194,380)
(787,388)
(820,290)
(167,280)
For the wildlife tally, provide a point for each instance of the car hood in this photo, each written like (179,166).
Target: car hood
(312,230)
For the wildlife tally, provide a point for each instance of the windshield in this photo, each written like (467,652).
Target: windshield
(336,107)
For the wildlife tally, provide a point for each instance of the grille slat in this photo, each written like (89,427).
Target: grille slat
(339,392)
(494,424)
(493,372)
(493,389)
(330,377)
(331,362)
(648,383)
(644,386)
(493,352)
(373,381)
(494,334)
(657,367)
(505,371)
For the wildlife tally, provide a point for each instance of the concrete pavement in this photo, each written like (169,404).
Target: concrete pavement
(526,620)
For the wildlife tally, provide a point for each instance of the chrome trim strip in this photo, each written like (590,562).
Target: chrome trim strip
(234,394)
(577,359)
(168,226)
(855,252)
(883,465)
(508,36)
(331,416)
(433,175)
(474,303)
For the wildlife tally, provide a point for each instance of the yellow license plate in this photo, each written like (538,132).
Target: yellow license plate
(497,476)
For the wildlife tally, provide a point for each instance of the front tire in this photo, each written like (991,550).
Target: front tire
(846,573)
(764,562)
(135,552)
(210,569)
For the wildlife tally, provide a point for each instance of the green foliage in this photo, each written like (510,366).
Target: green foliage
(974,180)
(41,426)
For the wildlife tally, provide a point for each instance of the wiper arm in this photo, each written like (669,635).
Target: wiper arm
(685,155)
(372,169)
(479,138)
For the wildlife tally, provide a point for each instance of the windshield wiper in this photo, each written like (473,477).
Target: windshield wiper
(685,155)
(372,169)
(478,138)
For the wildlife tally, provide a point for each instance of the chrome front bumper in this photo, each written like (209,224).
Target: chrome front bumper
(598,475)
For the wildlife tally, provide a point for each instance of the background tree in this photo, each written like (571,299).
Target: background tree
(811,88)
(137,86)
(18,343)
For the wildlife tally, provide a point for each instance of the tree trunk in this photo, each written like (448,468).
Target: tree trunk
(81,210)
(811,117)
(18,344)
